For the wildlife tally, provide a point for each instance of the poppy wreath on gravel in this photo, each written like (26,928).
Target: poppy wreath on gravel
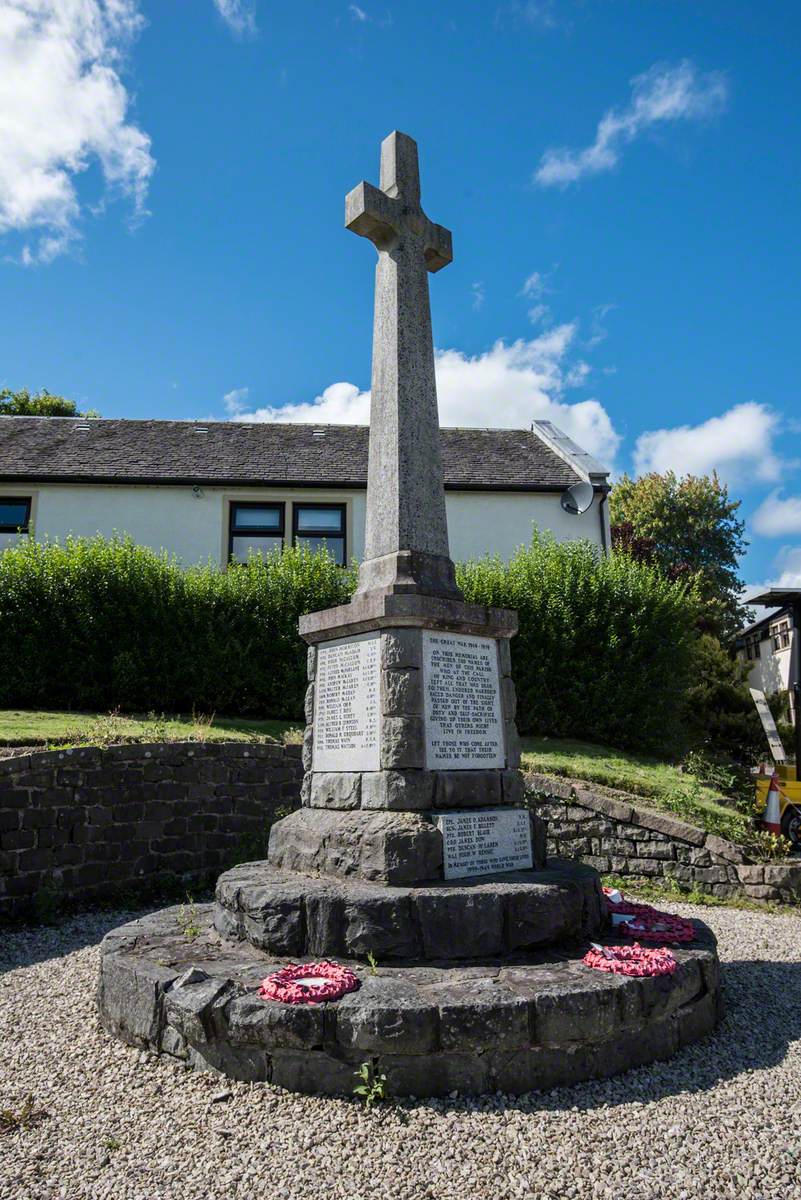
(648,924)
(309,983)
(631,960)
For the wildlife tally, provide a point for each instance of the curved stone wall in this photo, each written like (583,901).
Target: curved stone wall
(90,822)
(611,834)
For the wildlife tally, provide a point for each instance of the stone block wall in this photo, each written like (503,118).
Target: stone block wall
(611,834)
(89,822)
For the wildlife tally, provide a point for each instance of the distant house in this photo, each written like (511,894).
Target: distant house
(770,648)
(218,491)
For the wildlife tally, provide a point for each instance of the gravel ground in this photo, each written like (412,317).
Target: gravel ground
(721,1120)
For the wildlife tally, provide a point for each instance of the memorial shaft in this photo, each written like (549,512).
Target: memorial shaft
(406,535)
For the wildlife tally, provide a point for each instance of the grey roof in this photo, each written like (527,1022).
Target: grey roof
(764,622)
(41,449)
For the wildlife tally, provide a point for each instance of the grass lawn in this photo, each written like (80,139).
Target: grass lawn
(37,727)
(664,785)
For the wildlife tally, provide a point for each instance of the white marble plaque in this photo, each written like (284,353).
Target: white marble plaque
(485,841)
(346,704)
(463,723)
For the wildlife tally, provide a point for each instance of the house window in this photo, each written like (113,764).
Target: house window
(317,525)
(780,634)
(752,646)
(15,514)
(254,528)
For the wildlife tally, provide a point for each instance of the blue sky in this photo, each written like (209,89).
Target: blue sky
(621,179)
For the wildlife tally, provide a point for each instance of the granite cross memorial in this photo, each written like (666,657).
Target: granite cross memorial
(411,703)
(413,845)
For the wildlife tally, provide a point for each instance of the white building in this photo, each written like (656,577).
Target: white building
(214,492)
(770,647)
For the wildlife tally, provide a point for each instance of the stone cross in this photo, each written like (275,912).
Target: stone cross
(406,536)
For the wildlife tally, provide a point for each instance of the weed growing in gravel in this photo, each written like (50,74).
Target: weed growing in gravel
(111,1144)
(24,1117)
(372,1088)
(373,961)
(188,921)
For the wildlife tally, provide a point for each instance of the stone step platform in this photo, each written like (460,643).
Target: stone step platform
(286,912)
(535,1022)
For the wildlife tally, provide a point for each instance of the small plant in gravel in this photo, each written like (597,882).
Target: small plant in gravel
(111,1144)
(188,919)
(24,1117)
(372,1085)
(372,962)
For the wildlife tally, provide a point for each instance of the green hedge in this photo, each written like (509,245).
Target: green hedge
(605,647)
(603,651)
(97,624)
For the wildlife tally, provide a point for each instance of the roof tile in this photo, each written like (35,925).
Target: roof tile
(236,452)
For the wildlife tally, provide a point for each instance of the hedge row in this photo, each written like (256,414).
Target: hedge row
(603,651)
(96,624)
(605,648)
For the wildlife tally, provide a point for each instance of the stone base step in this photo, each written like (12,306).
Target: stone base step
(286,912)
(537,1022)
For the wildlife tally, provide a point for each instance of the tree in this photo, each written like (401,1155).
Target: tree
(688,527)
(40,404)
(719,712)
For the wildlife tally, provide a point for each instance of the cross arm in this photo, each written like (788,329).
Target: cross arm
(439,247)
(372,214)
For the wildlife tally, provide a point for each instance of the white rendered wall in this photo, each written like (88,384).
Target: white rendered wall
(771,671)
(195,528)
(499,522)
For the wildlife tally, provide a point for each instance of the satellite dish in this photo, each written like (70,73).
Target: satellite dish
(578,498)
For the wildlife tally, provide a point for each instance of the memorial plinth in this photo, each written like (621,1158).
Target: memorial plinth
(413,845)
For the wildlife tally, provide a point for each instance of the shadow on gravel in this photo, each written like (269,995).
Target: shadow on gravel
(25,945)
(761,1019)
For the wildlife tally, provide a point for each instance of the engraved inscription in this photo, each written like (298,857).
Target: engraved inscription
(485,841)
(462,702)
(346,705)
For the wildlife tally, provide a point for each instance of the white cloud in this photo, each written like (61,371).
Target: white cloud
(788,560)
(788,574)
(777,515)
(509,385)
(239,16)
(663,93)
(539,314)
(478,295)
(534,285)
(63,106)
(340,404)
(358,14)
(534,288)
(235,401)
(539,14)
(598,331)
(738,445)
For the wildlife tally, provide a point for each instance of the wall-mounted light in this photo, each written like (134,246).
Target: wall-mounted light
(197,492)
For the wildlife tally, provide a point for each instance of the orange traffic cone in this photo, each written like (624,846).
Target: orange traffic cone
(772,818)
